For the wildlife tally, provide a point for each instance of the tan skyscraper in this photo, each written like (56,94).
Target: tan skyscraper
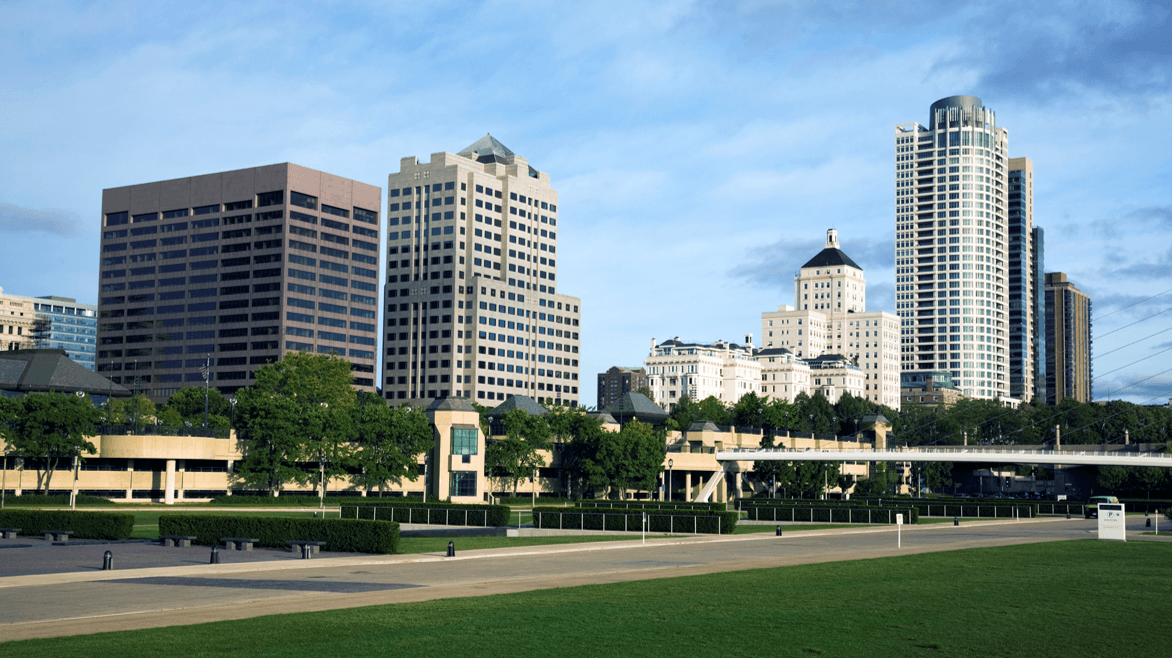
(951,246)
(472,302)
(1068,341)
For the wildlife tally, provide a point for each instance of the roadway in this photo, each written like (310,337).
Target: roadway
(80,602)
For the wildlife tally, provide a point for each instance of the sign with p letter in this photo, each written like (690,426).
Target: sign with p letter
(1112,522)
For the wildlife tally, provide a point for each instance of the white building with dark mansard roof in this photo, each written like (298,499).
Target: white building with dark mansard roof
(829,317)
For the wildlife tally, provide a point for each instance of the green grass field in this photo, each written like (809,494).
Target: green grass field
(1069,599)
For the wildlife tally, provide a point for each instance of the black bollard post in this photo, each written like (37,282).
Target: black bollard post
(215,555)
(1148,524)
(956,520)
(451,549)
(108,561)
(778,531)
(1068,514)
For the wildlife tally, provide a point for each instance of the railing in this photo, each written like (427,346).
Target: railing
(959,450)
(161,430)
(426,514)
(655,522)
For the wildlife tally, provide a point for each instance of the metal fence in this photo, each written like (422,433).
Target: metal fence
(607,521)
(422,515)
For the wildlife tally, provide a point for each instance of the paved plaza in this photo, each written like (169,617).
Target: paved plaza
(153,586)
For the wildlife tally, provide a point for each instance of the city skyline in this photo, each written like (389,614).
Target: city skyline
(704,147)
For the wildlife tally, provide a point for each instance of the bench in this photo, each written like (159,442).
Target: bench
(307,548)
(182,541)
(9,533)
(56,535)
(238,543)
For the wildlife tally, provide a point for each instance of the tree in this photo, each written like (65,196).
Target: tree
(189,403)
(51,428)
(300,409)
(631,458)
(682,415)
(516,455)
(586,436)
(646,392)
(770,471)
(389,442)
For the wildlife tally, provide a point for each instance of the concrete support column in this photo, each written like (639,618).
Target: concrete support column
(129,479)
(182,465)
(722,488)
(169,492)
(688,486)
(740,484)
(19,475)
(228,475)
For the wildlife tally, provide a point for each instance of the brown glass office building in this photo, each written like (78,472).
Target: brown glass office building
(232,270)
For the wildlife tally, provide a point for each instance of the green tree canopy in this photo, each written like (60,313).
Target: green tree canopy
(516,456)
(389,442)
(52,430)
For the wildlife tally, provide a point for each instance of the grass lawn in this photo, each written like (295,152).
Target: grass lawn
(1030,600)
(146,522)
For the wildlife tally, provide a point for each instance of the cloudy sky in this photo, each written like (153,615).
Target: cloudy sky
(701,149)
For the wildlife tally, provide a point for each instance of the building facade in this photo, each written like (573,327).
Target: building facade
(226,272)
(951,245)
(472,302)
(830,317)
(1068,341)
(618,381)
(17,321)
(64,324)
(1038,272)
(1023,322)
(928,388)
(725,371)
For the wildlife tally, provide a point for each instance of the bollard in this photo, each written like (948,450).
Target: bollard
(1067,515)
(956,520)
(108,561)
(1148,524)
(215,555)
(451,549)
(778,531)
(306,551)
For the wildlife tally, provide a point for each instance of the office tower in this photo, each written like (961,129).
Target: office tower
(1022,320)
(951,249)
(472,308)
(830,317)
(1038,269)
(1068,341)
(230,271)
(618,381)
(63,324)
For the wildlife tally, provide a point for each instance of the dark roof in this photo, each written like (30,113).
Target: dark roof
(635,404)
(876,419)
(522,402)
(606,418)
(703,426)
(831,257)
(487,149)
(43,371)
(452,404)
(773,351)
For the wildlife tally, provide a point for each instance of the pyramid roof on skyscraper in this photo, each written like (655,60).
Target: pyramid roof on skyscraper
(487,149)
(831,255)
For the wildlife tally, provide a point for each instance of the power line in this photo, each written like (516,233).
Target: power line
(1133,304)
(1162,331)
(1135,323)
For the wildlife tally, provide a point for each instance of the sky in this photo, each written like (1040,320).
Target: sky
(700,149)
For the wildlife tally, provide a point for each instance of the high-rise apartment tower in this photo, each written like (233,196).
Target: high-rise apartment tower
(226,272)
(1068,341)
(951,245)
(472,308)
(1023,321)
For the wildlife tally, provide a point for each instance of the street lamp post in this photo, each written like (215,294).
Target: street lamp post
(321,467)
(669,465)
(232,420)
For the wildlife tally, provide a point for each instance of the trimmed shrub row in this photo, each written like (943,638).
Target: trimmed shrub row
(831,514)
(56,499)
(651,504)
(627,520)
(345,535)
(431,513)
(293,501)
(85,525)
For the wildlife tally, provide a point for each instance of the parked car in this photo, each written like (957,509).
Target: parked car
(1092,507)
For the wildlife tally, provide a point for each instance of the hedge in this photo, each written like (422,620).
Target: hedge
(56,499)
(528,500)
(831,514)
(85,525)
(626,520)
(651,504)
(429,513)
(293,500)
(345,535)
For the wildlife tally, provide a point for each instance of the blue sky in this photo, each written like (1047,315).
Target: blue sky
(701,149)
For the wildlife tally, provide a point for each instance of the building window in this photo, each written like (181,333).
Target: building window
(464,443)
(463,483)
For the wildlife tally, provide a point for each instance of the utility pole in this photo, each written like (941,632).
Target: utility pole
(207,379)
